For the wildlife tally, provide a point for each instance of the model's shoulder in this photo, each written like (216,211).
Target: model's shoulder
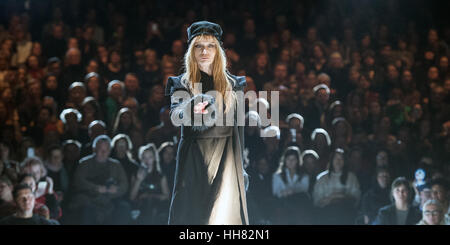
(239,81)
(174,83)
(175,78)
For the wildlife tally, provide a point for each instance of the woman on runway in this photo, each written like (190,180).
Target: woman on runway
(209,181)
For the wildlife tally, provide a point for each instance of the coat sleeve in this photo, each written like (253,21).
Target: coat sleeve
(182,104)
(239,86)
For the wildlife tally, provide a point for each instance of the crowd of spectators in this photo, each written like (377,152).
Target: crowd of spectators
(364,89)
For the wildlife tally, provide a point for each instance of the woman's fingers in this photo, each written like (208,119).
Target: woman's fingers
(200,107)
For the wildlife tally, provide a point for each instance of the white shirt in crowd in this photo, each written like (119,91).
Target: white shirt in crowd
(295,184)
(327,185)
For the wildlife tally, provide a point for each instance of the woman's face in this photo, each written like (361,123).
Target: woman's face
(33,62)
(263,166)
(56,157)
(205,51)
(37,50)
(125,119)
(400,194)
(317,52)
(122,146)
(383,179)
(148,158)
(262,61)
(115,58)
(382,159)
(92,66)
(93,84)
(338,162)
(51,83)
(168,155)
(88,110)
(291,162)
(309,164)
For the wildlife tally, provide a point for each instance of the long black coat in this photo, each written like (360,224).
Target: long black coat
(209,179)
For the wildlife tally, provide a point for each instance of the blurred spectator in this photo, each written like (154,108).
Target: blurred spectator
(25,201)
(57,171)
(337,191)
(400,212)
(376,197)
(7,205)
(116,93)
(126,123)
(290,185)
(166,153)
(95,128)
(9,168)
(100,183)
(439,188)
(163,132)
(149,188)
(43,185)
(432,213)
(155,101)
(122,150)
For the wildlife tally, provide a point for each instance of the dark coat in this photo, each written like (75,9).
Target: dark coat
(387,216)
(209,165)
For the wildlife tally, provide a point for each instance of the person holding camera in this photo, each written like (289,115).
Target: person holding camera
(149,188)
(100,184)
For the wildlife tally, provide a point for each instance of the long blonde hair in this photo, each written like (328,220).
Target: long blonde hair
(223,82)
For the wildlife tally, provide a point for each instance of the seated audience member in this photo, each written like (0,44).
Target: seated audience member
(7,205)
(46,199)
(8,166)
(260,200)
(25,200)
(150,190)
(439,190)
(337,192)
(376,197)
(400,212)
(167,152)
(310,160)
(95,128)
(56,170)
(432,213)
(424,194)
(46,203)
(99,187)
(290,185)
(122,151)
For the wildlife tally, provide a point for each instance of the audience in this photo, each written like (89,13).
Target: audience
(364,98)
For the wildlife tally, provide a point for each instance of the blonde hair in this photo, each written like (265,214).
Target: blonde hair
(223,82)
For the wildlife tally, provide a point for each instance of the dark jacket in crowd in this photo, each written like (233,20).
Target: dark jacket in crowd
(387,216)
(35,220)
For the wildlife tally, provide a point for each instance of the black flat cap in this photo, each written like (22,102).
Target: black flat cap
(204,27)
